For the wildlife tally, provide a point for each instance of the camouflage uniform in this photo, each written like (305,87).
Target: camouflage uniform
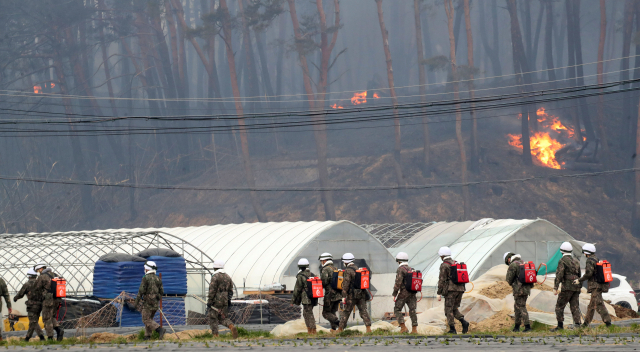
(50,304)
(220,291)
(567,271)
(354,297)
(451,292)
(4,292)
(150,292)
(520,292)
(332,298)
(34,306)
(403,296)
(300,296)
(596,290)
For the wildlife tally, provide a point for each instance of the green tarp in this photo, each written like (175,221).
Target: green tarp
(552,263)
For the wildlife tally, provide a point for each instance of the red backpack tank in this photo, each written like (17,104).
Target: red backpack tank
(603,272)
(413,281)
(459,274)
(528,273)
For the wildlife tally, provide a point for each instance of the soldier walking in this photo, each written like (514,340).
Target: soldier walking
(300,295)
(567,272)
(351,296)
(150,293)
(34,304)
(451,291)
(520,291)
(220,293)
(50,303)
(594,288)
(403,296)
(4,292)
(332,297)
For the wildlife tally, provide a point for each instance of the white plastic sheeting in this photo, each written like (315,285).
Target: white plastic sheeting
(481,245)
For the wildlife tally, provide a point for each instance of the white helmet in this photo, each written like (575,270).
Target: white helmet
(218,264)
(402,257)
(149,265)
(40,266)
(589,248)
(32,272)
(325,256)
(444,252)
(348,257)
(566,247)
(303,262)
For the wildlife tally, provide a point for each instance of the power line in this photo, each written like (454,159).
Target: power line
(314,189)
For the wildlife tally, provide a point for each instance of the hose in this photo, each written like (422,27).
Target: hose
(420,297)
(546,271)
(472,287)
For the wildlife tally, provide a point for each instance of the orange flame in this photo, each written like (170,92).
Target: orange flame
(544,144)
(336,106)
(376,96)
(37,89)
(359,98)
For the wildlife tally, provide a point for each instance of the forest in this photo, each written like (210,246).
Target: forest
(152,113)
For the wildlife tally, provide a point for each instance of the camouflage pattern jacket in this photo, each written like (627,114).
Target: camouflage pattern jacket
(590,275)
(326,275)
(34,297)
(150,291)
(567,271)
(300,289)
(4,292)
(399,288)
(519,289)
(43,288)
(444,281)
(348,283)
(220,290)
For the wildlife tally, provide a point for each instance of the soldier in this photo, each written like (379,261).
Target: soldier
(351,296)
(4,292)
(567,272)
(596,289)
(220,293)
(520,291)
(332,298)
(150,292)
(452,292)
(50,303)
(402,296)
(34,305)
(300,295)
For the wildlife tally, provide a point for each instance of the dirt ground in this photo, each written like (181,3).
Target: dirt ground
(501,289)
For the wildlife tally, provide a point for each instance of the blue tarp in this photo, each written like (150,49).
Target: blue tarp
(172,267)
(113,276)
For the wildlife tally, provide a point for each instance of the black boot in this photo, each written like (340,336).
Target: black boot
(452,329)
(145,338)
(516,328)
(42,338)
(161,332)
(465,326)
(608,324)
(27,339)
(59,332)
(559,327)
(527,328)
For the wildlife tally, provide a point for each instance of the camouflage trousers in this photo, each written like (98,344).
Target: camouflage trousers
(329,310)
(307,314)
(49,318)
(412,303)
(348,308)
(34,317)
(572,298)
(147,319)
(219,317)
(520,309)
(451,304)
(596,303)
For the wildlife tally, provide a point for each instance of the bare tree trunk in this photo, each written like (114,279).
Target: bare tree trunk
(627,29)
(397,156)
(496,36)
(422,79)
(182,55)
(490,52)
(105,60)
(520,65)
(456,95)
(548,43)
(536,38)
(252,84)
(475,162)
(171,24)
(577,39)
(226,28)
(635,222)
(317,105)
(603,35)
(528,42)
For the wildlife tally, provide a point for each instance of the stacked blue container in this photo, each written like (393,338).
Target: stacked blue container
(172,267)
(114,273)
